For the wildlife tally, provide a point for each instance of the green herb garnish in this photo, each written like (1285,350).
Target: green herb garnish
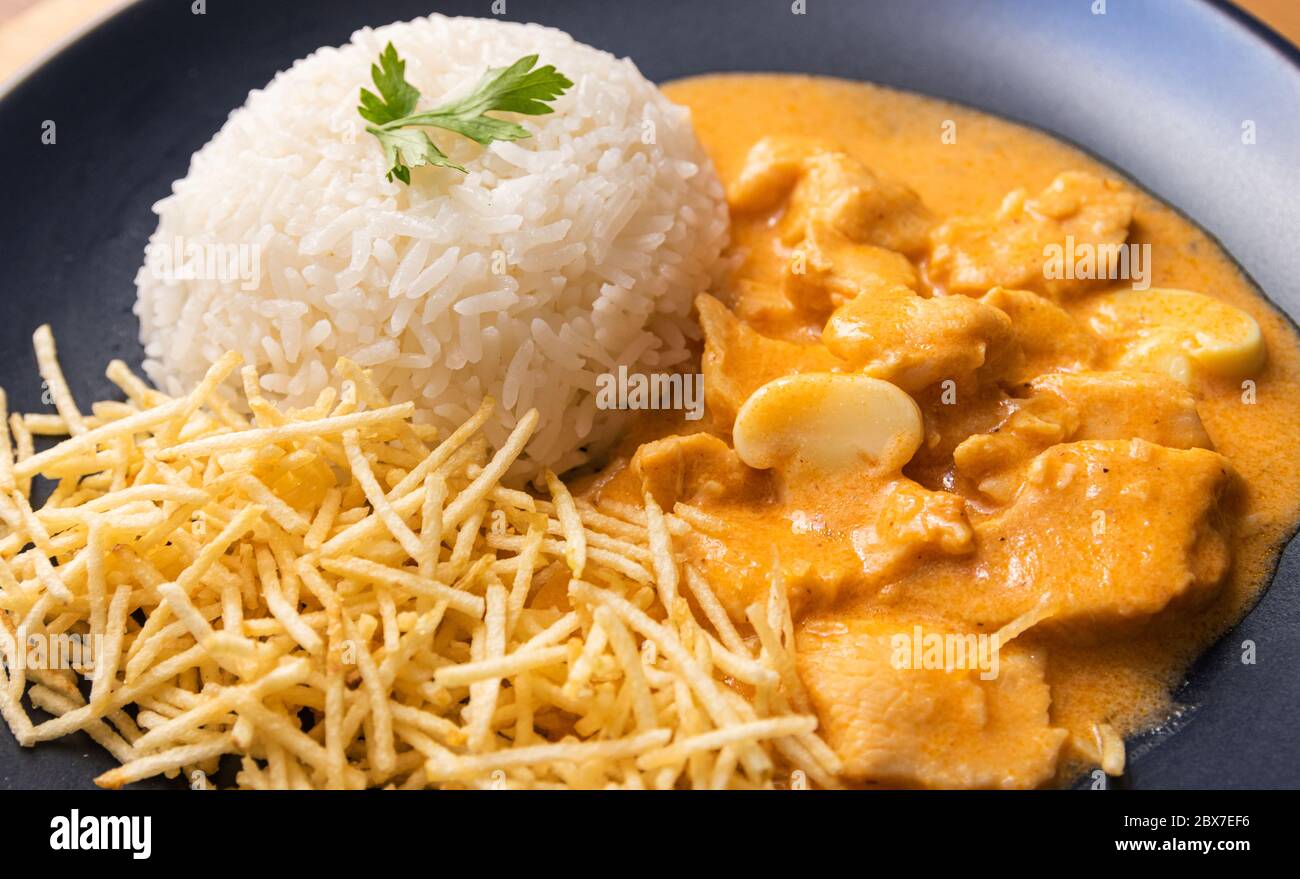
(514,89)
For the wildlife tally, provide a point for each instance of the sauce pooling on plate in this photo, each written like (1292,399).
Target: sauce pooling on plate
(1019,439)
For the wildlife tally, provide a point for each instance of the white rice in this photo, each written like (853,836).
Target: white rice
(609,220)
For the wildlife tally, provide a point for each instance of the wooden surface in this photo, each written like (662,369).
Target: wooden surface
(1282,15)
(29,27)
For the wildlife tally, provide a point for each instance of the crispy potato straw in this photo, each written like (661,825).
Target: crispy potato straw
(331,597)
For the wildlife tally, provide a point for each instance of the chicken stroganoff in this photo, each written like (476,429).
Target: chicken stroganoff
(1078,481)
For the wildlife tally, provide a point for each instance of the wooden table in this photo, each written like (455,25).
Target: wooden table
(29,27)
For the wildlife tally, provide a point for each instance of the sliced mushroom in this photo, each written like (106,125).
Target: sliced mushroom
(828,421)
(1171,330)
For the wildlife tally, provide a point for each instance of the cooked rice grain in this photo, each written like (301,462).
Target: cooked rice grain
(609,219)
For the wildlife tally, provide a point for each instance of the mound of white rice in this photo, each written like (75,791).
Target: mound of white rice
(555,259)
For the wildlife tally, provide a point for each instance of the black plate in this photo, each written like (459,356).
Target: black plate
(1159,88)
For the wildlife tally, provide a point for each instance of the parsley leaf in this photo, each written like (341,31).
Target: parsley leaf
(396,96)
(514,89)
(407,149)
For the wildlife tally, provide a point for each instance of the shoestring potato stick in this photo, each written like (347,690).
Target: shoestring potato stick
(335,597)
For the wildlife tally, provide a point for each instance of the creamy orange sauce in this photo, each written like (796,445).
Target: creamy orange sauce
(1122,668)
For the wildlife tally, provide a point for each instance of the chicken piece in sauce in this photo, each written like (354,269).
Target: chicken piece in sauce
(1043,494)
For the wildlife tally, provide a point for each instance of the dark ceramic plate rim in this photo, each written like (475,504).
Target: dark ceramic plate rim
(1140,745)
